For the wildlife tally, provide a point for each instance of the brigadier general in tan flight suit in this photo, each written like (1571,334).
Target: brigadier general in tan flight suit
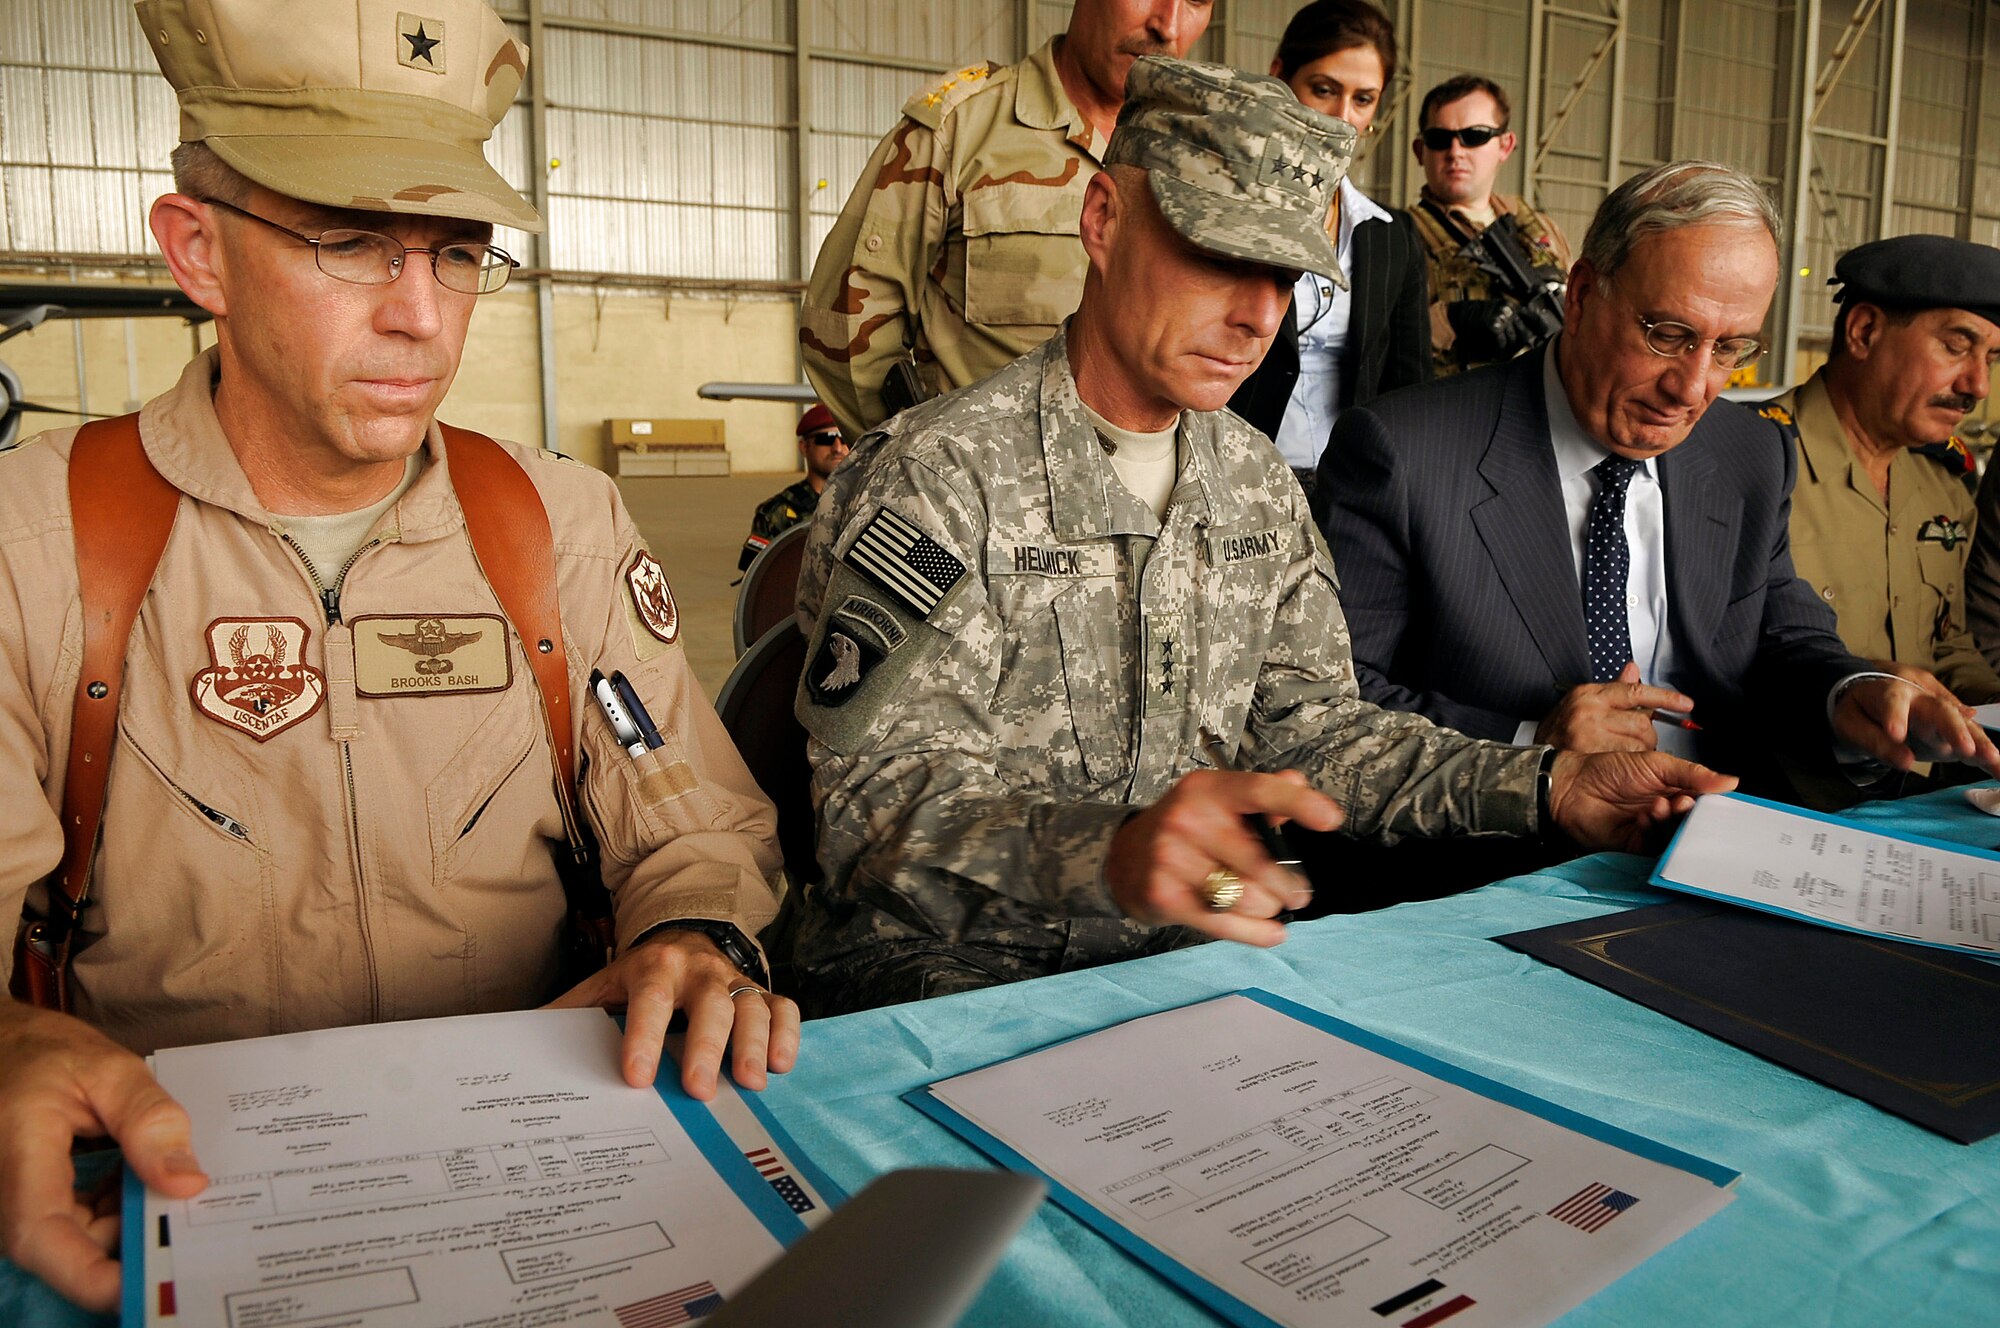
(1882,522)
(958,245)
(332,792)
(1038,599)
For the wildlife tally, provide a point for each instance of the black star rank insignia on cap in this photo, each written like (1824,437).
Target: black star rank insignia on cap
(420,42)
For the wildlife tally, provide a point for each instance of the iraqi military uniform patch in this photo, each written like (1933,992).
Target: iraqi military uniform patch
(431,654)
(653,598)
(258,681)
(896,555)
(1941,529)
(1952,454)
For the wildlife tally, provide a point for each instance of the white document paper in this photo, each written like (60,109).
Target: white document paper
(1836,873)
(491,1170)
(778,1164)
(1315,1182)
(1987,716)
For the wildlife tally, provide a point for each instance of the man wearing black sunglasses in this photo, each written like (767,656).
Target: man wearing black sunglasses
(1479,316)
(822,447)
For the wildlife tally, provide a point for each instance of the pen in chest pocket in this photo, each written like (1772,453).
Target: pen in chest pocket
(624,715)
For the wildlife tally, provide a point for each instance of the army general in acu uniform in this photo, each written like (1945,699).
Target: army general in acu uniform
(1882,523)
(1037,598)
(332,795)
(958,245)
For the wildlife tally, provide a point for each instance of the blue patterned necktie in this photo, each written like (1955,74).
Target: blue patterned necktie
(1607,565)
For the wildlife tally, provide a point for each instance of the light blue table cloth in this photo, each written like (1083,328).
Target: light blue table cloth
(1844,1216)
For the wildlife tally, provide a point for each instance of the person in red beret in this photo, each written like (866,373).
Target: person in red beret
(821,446)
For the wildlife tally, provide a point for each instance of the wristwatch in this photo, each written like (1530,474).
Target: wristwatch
(1545,783)
(728,938)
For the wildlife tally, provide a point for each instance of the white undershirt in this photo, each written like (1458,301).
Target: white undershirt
(1325,312)
(1145,462)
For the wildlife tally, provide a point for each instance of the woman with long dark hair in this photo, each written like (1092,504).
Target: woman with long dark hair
(1342,348)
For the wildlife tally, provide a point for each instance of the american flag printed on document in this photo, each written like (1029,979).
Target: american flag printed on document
(772,1168)
(682,1306)
(1592,1206)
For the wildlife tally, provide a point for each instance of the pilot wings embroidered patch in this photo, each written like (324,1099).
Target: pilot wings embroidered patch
(431,654)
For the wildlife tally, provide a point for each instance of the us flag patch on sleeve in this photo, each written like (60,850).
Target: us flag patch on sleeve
(897,556)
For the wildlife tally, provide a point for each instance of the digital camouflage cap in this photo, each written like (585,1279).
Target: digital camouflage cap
(383,105)
(1238,166)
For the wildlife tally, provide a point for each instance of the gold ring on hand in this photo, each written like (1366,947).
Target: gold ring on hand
(1222,889)
(734,992)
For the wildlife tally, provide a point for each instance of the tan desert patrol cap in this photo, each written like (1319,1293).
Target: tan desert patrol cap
(1238,166)
(383,105)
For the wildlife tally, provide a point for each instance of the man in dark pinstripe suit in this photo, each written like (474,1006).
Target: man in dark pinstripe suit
(1459,515)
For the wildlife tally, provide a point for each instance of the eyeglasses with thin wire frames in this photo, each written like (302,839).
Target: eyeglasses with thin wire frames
(369,258)
(1670,339)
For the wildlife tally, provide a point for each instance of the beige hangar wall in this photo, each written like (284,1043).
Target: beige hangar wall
(690,155)
(617,354)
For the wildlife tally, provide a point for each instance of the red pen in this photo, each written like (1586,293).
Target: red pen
(1674,719)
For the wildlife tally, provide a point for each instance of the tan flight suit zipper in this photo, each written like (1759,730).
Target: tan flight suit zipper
(342,706)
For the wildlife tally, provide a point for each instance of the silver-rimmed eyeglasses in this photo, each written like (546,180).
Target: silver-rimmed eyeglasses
(369,258)
(1668,338)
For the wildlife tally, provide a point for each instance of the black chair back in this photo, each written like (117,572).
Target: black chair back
(770,590)
(755,704)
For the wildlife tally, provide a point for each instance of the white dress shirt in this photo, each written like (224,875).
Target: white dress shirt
(1325,312)
(1645,535)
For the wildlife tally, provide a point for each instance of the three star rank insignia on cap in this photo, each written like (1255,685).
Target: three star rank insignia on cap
(420,42)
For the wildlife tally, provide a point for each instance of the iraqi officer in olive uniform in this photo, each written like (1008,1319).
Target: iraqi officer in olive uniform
(1047,606)
(1881,519)
(957,250)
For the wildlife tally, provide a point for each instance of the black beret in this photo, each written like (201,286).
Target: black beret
(1922,272)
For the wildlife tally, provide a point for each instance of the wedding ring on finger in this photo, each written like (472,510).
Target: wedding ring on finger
(1222,889)
(734,992)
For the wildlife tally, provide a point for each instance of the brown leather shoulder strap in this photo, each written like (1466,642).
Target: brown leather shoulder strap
(509,529)
(121,512)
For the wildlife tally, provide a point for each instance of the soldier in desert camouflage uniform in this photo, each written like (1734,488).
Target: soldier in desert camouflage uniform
(959,240)
(1017,657)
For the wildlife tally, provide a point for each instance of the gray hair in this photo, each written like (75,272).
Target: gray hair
(1680,193)
(200,173)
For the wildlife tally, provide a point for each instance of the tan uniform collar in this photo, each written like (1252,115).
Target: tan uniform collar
(185,443)
(1827,451)
(1041,103)
(1081,479)
(1823,443)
